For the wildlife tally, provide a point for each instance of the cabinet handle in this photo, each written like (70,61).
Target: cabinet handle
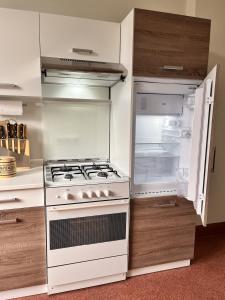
(214,160)
(83,51)
(8,86)
(14,199)
(12,221)
(172,204)
(177,68)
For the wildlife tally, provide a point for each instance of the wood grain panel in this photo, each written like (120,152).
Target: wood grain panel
(22,248)
(161,234)
(163,39)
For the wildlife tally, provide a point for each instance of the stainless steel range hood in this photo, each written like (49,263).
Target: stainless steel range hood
(77,72)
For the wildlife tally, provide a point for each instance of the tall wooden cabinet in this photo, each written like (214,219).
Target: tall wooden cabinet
(22,248)
(160,46)
(169,45)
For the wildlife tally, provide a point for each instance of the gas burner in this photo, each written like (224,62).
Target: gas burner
(65,169)
(102,174)
(68,176)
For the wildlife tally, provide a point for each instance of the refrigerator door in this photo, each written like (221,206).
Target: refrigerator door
(201,140)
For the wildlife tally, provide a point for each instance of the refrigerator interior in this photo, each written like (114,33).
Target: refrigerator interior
(163,132)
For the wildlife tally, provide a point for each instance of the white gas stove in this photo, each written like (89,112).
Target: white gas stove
(87,212)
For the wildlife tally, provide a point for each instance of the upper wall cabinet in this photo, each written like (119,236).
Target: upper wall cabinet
(168,45)
(19,53)
(82,39)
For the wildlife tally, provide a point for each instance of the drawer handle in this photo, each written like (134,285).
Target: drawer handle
(12,221)
(8,86)
(14,199)
(83,51)
(177,68)
(172,204)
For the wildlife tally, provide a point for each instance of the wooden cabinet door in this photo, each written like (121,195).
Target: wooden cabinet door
(20,73)
(78,38)
(22,248)
(162,230)
(169,45)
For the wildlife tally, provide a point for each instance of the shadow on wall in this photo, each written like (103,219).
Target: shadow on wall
(217,187)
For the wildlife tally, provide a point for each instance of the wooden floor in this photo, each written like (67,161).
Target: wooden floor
(204,280)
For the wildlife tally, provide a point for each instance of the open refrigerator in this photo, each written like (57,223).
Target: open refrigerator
(172,125)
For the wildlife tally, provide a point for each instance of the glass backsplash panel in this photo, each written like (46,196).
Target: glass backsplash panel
(76,130)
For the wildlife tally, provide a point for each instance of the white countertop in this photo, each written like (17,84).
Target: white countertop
(26,179)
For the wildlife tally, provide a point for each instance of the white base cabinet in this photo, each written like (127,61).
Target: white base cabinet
(77,38)
(19,53)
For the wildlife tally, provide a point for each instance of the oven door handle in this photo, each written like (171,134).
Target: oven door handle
(88,205)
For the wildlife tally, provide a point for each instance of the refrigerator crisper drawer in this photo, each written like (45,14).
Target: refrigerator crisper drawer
(148,169)
(159,104)
(59,277)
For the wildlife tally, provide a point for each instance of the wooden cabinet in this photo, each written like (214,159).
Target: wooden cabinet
(20,73)
(169,45)
(22,248)
(77,38)
(162,230)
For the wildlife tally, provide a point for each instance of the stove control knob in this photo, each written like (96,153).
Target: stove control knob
(106,193)
(67,196)
(98,194)
(102,194)
(81,195)
(89,194)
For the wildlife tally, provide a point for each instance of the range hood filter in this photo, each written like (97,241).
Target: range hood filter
(75,72)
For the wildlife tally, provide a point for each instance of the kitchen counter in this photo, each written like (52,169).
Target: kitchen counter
(26,179)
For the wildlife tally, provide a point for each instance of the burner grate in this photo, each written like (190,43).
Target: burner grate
(69,172)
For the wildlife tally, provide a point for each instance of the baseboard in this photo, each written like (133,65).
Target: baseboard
(210,229)
(158,268)
(29,291)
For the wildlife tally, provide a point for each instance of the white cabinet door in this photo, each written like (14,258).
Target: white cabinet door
(201,145)
(77,38)
(20,73)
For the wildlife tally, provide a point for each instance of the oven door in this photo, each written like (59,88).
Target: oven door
(87,231)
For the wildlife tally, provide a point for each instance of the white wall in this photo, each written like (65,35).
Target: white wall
(109,10)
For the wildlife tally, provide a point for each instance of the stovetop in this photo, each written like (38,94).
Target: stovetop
(76,173)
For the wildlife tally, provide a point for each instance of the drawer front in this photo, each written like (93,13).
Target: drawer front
(169,45)
(82,39)
(21,198)
(86,270)
(22,250)
(162,231)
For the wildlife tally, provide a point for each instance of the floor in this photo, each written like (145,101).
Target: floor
(204,280)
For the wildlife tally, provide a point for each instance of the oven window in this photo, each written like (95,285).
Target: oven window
(87,230)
